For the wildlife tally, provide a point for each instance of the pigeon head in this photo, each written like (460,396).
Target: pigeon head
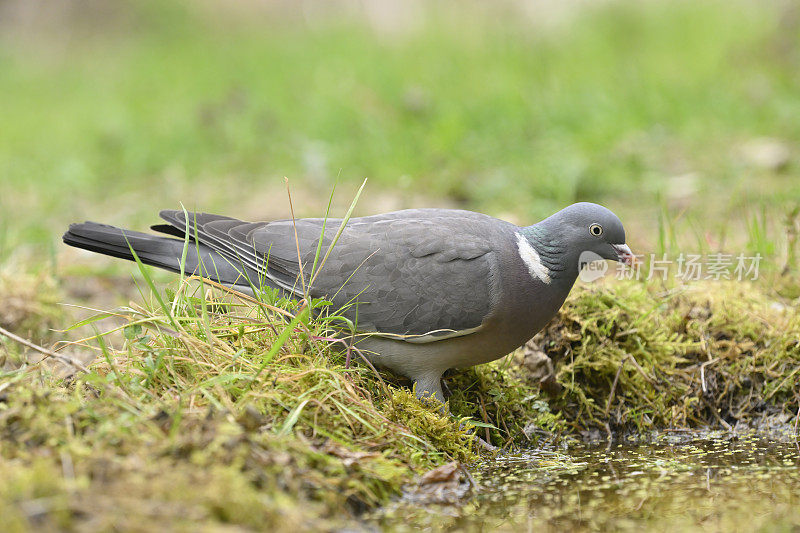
(586,227)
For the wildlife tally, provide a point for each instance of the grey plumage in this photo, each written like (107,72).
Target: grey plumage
(434,288)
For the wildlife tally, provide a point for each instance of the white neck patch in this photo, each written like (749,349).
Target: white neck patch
(532,260)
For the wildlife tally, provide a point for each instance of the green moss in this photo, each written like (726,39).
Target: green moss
(641,357)
(447,437)
(214,410)
(223,415)
(500,395)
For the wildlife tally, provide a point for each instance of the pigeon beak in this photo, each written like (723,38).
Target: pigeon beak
(624,254)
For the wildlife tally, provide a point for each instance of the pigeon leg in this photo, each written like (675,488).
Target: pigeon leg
(429,386)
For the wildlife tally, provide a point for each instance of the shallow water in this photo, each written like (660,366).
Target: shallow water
(674,482)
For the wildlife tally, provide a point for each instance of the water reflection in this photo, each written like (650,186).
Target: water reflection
(673,482)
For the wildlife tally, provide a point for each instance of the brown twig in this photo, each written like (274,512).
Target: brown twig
(243,296)
(716,414)
(485,418)
(797,422)
(641,370)
(47,353)
(614,384)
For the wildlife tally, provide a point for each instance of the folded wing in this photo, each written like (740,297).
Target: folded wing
(421,274)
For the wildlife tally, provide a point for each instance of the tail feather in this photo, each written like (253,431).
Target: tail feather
(158,251)
(169,229)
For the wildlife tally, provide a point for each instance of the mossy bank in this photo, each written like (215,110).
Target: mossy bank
(218,409)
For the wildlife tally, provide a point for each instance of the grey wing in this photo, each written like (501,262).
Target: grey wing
(423,278)
(420,274)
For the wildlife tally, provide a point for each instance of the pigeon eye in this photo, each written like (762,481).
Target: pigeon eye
(596,230)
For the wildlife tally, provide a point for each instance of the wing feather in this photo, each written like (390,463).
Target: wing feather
(426,274)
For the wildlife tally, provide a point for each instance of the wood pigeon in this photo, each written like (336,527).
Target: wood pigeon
(427,289)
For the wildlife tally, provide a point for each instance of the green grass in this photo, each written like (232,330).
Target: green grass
(213,411)
(235,409)
(223,410)
(165,104)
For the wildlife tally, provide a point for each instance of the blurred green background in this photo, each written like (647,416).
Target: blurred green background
(112,110)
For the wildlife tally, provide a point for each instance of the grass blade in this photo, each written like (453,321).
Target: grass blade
(345,220)
(291,420)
